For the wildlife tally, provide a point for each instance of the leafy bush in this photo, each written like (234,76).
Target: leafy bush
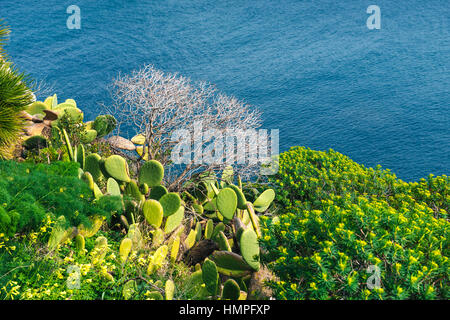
(338,218)
(28,192)
(14,97)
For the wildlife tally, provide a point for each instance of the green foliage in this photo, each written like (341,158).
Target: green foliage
(338,218)
(104,125)
(31,191)
(15,96)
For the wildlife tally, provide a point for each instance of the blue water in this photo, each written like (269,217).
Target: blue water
(313,67)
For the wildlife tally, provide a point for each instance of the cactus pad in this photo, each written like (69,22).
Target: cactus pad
(151,173)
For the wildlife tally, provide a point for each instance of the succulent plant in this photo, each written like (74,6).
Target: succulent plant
(230,264)
(80,244)
(153,212)
(117,167)
(231,290)
(264,200)
(170,202)
(174,221)
(169,289)
(104,125)
(112,187)
(209,228)
(190,239)
(249,246)
(223,242)
(125,249)
(210,276)
(241,201)
(227,203)
(132,190)
(157,192)
(157,259)
(95,225)
(151,173)
(92,165)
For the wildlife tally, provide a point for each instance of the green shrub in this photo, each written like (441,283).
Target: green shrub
(15,96)
(338,218)
(28,192)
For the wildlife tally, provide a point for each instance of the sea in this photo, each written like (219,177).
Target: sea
(317,70)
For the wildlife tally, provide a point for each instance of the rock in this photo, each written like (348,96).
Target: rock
(37,118)
(35,129)
(121,143)
(50,115)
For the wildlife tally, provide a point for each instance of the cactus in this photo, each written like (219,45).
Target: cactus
(36,107)
(87,177)
(190,240)
(157,238)
(138,139)
(129,289)
(249,246)
(210,276)
(80,244)
(125,249)
(157,259)
(151,173)
(132,190)
(153,212)
(80,155)
(140,151)
(231,290)
(227,176)
(155,295)
(227,203)
(112,187)
(104,125)
(135,235)
(96,222)
(157,192)
(88,136)
(59,234)
(219,227)
(242,202)
(223,242)
(254,219)
(100,250)
(117,167)
(198,231)
(92,165)
(170,202)
(209,229)
(97,192)
(174,249)
(143,187)
(169,289)
(230,264)
(49,103)
(173,221)
(264,200)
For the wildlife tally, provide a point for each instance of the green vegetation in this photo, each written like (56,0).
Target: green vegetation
(336,218)
(84,216)
(15,96)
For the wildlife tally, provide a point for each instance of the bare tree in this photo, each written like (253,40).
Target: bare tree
(157,104)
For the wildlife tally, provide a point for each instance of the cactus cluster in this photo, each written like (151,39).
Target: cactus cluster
(48,114)
(212,223)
